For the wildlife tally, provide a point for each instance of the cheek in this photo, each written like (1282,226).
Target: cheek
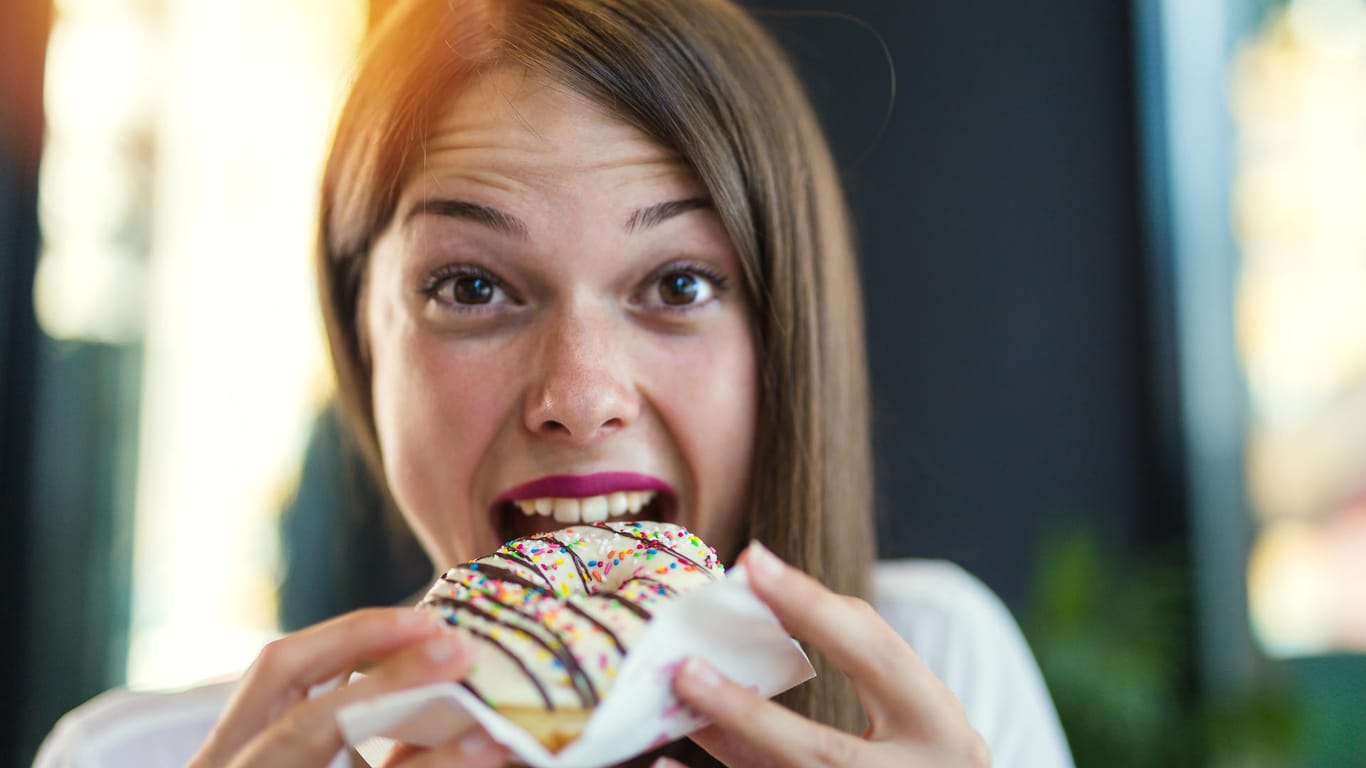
(710,404)
(437,409)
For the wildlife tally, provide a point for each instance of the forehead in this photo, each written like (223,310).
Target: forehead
(513,129)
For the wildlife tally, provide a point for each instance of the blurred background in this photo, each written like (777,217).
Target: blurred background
(1115,260)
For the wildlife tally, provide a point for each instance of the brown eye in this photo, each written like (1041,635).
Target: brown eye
(472,289)
(679,288)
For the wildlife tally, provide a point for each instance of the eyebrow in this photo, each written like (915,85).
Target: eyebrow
(492,218)
(662,212)
(510,225)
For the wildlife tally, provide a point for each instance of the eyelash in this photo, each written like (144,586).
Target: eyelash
(718,280)
(441,276)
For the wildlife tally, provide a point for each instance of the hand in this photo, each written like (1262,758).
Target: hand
(913,718)
(271,721)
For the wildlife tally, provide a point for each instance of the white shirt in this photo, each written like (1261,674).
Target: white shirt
(957,626)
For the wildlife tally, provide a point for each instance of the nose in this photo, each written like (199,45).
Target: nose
(583,388)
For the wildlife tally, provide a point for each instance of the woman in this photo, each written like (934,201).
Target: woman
(575,239)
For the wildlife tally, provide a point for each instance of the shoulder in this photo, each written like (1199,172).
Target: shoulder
(969,639)
(936,601)
(135,728)
(937,585)
(957,625)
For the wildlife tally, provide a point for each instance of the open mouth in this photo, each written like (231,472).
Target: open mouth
(529,516)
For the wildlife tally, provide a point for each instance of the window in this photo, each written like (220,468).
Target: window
(203,124)
(1299,99)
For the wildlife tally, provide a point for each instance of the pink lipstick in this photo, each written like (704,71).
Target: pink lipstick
(582,486)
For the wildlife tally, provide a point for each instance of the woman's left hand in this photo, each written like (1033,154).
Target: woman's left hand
(913,718)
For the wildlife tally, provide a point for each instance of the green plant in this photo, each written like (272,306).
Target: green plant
(1114,642)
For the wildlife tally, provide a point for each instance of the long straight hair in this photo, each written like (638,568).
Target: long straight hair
(702,78)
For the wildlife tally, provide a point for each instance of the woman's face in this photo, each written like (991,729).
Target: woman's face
(556,317)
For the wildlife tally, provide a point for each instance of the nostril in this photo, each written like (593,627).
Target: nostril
(579,404)
(560,428)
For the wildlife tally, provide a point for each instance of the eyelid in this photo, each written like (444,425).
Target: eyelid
(720,282)
(437,277)
(433,283)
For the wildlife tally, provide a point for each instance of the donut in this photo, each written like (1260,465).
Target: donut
(553,615)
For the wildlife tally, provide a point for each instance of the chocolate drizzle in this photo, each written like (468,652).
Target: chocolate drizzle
(503,574)
(480,696)
(545,695)
(588,693)
(621,600)
(657,544)
(512,557)
(579,565)
(649,579)
(507,595)
(494,572)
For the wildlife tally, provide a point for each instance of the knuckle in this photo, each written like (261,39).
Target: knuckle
(949,701)
(275,657)
(858,608)
(977,750)
(879,648)
(859,612)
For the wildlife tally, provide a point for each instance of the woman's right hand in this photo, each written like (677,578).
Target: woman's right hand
(270,719)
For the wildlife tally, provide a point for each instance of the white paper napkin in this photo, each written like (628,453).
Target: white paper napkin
(722,622)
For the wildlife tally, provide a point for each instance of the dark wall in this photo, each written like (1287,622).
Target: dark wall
(23,42)
(1000,226)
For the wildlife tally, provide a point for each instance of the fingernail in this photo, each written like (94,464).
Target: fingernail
(665,762)
(445,647)
(476,743)
(762,561)
(701,673)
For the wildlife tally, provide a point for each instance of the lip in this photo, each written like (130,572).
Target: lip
(583,486)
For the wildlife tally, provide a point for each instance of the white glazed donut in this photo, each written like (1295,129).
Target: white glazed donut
(554,614)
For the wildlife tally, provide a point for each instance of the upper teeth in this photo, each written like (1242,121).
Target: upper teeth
(593,509)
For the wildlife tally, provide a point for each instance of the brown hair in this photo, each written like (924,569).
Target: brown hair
(704,79)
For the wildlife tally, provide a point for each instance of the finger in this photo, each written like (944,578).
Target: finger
(729,749)
(667,762)
(308,733)
(311,656)
(891,681)
(758,731)
(474,749)
(401,752)
(288,667)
